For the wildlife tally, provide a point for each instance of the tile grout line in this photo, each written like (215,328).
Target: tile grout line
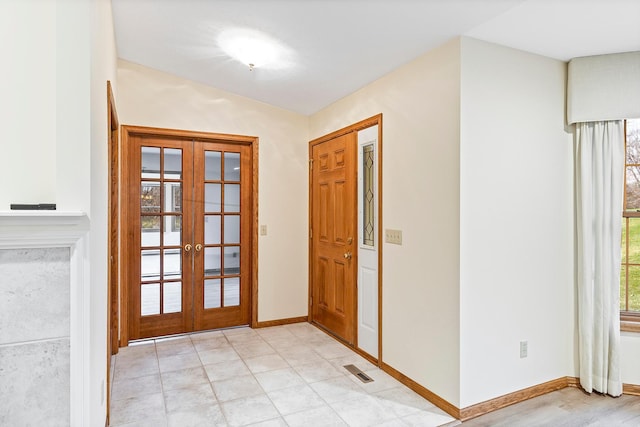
(35,341)
(211,382)
(265,392)
(164,403)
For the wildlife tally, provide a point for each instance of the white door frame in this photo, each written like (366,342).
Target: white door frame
(368,297)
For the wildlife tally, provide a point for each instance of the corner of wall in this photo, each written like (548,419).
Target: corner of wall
(503,93)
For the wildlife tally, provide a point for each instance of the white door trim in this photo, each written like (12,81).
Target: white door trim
(367,318)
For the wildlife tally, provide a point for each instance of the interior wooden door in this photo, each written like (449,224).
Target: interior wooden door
(334,236)
(223,213)
(160,229)
(190,231)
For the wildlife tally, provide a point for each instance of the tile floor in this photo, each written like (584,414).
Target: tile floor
(289,375)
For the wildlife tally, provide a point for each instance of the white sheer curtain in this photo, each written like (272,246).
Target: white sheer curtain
(599,192)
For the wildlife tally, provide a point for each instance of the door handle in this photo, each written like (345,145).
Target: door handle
(187,247)
(347,255)
(198,247)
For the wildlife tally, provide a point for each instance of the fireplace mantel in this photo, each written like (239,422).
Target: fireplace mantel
(27,230)
(41,229)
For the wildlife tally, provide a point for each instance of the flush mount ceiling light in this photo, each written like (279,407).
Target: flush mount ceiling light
(255,49)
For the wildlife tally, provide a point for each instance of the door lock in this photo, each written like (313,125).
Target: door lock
(347,255)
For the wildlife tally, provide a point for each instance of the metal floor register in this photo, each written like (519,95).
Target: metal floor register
(358,373)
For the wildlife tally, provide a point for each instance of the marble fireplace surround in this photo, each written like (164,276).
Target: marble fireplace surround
(20,233)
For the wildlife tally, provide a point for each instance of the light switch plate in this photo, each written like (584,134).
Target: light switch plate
(263,230)
(393,236)
(524,349)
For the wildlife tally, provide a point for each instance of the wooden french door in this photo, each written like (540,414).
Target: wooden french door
(334,235)
(222,232)
(189,233)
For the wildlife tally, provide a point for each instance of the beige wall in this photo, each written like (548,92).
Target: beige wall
(54,96)
(103,61)
(151,98)
(516,226)
(28,102)
(73,105)
(45,102)
(420,150)
(85,59)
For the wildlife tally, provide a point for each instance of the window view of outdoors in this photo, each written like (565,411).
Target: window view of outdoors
(630,271)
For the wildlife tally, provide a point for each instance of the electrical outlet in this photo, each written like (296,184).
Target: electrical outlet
(524,349)
(263,230)
(393,236)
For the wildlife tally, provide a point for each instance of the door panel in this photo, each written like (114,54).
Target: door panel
(340,290)
(223,228)
(323,212)
(190,211)
(159,299)
(333,216)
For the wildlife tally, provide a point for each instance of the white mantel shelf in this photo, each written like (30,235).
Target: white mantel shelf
(41,228)
(45,215)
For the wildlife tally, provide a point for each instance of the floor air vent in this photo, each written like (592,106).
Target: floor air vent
(358,373)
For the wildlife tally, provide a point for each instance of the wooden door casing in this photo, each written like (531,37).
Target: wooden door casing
(334,236)
(114,224)
(113,282)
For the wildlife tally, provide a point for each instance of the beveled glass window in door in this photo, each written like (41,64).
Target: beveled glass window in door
(222,229)
(161,231)
(368,196)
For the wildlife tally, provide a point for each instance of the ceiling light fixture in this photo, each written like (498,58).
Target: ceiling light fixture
(254,49)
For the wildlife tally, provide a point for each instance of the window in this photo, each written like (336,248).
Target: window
(368,195)
(630,271)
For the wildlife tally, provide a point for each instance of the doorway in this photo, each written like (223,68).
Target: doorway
(190,231)
(345,225)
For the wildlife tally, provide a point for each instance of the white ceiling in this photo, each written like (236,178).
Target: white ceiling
(339,46)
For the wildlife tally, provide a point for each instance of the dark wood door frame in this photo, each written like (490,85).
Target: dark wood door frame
(113,331)
(366,123)
(128,132)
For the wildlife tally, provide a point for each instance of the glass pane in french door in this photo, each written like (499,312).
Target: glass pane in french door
(220,291)
(161,254)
